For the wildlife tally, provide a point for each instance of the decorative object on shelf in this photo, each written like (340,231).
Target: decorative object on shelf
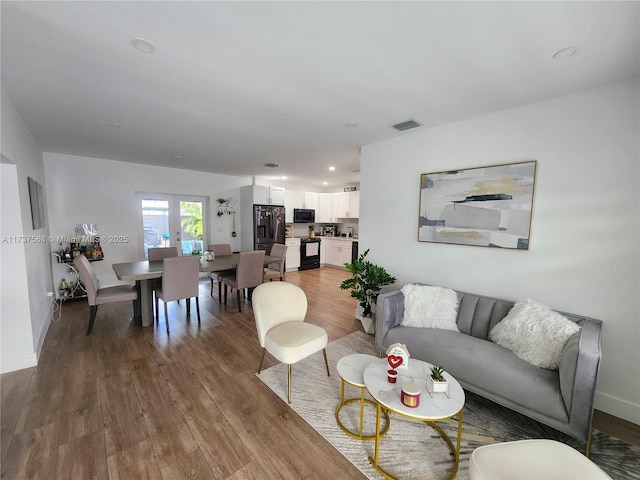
(486,206)
(436,383)
(226,206)
(365,284)
(398,356)
(312,231)
(209,255)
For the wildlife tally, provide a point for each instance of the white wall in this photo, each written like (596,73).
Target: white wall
(92,190)
(584,254)
(26,267)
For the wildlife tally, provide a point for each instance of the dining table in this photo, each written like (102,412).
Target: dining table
(143,272)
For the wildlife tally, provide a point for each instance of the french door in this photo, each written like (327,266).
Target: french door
(174,220)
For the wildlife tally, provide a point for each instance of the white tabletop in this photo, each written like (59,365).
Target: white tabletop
(351,368)
(430,408)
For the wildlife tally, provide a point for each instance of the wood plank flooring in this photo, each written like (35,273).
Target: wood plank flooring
(132,403)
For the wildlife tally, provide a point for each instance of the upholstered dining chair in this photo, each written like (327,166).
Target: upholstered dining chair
(248,274)
(220,249)
(279,309)
(276,270)
(180,279)
(156,254)
(99,296)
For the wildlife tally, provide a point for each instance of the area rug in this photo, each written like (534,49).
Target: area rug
(413,450)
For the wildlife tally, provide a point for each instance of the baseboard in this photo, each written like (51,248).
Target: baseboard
(18,362)
(618,408)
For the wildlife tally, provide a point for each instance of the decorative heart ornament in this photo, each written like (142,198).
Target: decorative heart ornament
(394,361)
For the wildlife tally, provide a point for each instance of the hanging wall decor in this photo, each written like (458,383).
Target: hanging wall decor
(486,206)
(36,198)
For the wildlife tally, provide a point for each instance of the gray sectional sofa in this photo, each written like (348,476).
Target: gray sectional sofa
(562,399)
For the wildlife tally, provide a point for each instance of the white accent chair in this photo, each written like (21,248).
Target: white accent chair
(99,296)
(279,309)
(276,270)
(532,460)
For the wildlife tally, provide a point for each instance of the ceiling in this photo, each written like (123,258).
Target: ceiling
(234,85)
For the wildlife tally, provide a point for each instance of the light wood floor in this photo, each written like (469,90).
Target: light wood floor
(132,403)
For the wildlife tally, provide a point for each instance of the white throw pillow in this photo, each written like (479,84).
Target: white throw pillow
(430,307)
(534,333)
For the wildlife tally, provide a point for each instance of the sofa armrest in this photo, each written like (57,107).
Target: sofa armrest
(389,313)
(578,373)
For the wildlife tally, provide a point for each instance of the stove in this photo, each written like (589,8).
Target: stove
(309,253)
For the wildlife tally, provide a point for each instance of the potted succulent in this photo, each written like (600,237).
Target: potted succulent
(436,383)
(365,284)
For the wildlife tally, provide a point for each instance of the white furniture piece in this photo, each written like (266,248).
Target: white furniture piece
(279,309)
(532,460)
(351,369)
(430,410)
(292,259)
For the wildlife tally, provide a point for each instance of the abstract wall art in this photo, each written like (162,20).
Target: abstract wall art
(36,197)
(486,206)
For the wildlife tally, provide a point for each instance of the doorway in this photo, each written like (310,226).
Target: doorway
(174,220)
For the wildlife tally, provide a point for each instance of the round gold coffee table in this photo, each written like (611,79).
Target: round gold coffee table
(430,410)
(350,369)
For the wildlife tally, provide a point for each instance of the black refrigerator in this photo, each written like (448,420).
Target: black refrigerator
(268,226)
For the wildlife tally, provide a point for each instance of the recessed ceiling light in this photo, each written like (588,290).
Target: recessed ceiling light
(331,169)
(145,46)
(284,177)
(565,53)
(114,125)
(177,157)
(351,125)
(325,183)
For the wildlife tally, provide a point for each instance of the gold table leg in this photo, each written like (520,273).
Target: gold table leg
(359,435)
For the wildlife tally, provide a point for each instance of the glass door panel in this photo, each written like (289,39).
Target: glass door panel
(191,227)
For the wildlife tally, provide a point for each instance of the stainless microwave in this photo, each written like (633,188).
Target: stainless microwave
(304,215)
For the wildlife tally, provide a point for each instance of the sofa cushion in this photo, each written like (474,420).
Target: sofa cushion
(534,333)
(430,307)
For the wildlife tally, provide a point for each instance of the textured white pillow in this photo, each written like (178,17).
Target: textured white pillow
(534,333)
(430,307)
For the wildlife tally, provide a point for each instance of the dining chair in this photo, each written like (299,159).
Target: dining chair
(99,296)
(180,279)
(156,254)
(219,249)
(248,274)
(276,269)
(279,310)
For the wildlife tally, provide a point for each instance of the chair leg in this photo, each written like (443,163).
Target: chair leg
(289,383)
(158,310)
(220,290)
(238,297)
(211,286)
(188,302)
(166,315)
(326,364)
(197,308)
(93,310)
(225,293)
(264,351)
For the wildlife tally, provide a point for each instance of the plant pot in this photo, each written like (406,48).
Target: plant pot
(368,323)
(435,386)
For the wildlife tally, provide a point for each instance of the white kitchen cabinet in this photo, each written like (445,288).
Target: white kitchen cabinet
(292,200)
(347,205)
(292,259)
(337,252)
(311,202)
(263,195)
(324,212)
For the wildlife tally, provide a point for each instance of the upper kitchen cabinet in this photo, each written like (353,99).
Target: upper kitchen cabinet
(311,201)
(292,200)
(324,212)
(346,205)
(263,195)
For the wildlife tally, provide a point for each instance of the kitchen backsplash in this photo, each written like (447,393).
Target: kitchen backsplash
(302,229)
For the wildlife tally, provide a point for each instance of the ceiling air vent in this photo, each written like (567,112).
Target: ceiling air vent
(402,126)
(271,165)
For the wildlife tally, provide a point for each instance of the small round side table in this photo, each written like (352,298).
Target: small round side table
(351,369)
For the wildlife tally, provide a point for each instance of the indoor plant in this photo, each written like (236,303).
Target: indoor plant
(365,284)
(436,383)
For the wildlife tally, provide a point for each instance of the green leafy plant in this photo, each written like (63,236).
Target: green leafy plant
(192,219)
(366,282)
(436,373)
